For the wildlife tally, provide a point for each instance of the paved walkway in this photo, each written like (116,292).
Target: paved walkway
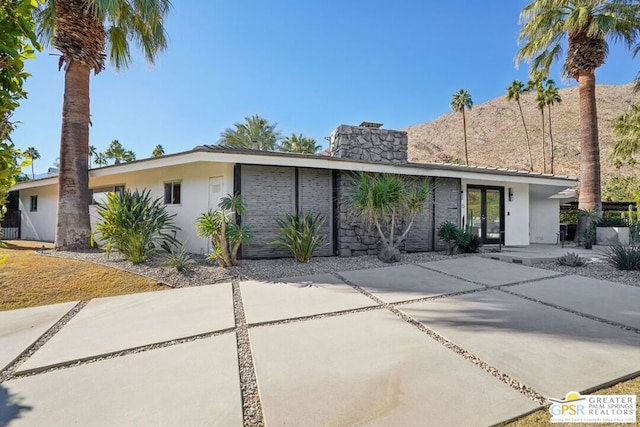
(469,341)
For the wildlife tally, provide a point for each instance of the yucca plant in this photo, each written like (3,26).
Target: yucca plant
(225,234)
(300,234)
(179,259)
(623,257)
(383,202)
(135,224)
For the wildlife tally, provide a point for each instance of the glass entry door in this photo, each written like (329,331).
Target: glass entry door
(485,212)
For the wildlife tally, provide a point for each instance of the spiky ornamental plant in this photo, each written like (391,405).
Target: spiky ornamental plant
(381,202)
(135,224)
(300,234)
(221,229)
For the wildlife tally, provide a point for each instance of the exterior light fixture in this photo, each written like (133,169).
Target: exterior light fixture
(510,194)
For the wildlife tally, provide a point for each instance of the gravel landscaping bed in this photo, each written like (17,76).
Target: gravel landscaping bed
(203,272)
(597,269)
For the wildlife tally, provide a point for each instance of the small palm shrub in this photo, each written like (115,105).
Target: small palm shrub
(449,233)
(225,234)
(571,259)
(135,224)
(300,234)
(623,257)
(179,259)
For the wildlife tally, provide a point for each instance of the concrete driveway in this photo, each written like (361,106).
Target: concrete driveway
(468,341)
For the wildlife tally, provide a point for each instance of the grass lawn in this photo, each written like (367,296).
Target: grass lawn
(28,279)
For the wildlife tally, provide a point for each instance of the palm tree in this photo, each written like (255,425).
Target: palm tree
(514,91)
(129,156)
(627,130)
(101,159)
(32,154)
(460,102)
(541,102)
(158,151)
(85,31)
(92,153)
(300,144)
(118,153)
(587,26)
(254,128)
(551,97)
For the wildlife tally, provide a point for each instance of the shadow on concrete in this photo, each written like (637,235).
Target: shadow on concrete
(488,312)
(11,407)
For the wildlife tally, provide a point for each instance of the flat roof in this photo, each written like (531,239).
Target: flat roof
(241,155)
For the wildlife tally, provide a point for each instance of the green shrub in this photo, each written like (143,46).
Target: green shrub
(300,234)
(449,233)
(179,259)
(134,224)
(225,234)
(623,257)
(468,242)
(611,221)
(571,259)
(568,217)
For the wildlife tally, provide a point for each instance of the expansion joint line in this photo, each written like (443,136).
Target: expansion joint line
(8,372)
(464,279)
(577,313)
(502,376)
(251,404)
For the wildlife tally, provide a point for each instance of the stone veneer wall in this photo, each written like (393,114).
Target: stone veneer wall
(369,144)
(354,239)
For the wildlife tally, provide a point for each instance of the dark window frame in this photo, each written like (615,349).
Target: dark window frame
(171,196)
(33,205)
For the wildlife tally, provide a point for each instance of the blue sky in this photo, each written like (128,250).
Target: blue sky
(308,65)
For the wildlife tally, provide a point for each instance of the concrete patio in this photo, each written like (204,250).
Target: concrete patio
(400,345)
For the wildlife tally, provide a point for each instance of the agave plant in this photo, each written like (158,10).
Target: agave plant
(225,234)
(300,234)
(135,224)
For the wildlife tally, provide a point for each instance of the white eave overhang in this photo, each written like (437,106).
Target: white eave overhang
(248,157)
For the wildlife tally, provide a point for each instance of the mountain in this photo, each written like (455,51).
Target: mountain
(495,136)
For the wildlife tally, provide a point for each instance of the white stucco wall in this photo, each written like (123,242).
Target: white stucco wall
(40,225)
(194,198)
(516,212)
(194,179)
(545,220)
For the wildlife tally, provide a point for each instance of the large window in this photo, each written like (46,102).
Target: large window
(172,193)
(33,207)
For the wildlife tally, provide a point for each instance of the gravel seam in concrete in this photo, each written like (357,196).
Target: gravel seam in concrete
(9,371)
(251,404)
(511,382)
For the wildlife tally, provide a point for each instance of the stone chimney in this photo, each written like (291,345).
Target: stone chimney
(369,142)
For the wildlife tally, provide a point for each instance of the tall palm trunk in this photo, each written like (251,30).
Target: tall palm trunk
(590,196)
(526,134)
(544,156)
(73,226)
(464,127)
(550,140)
